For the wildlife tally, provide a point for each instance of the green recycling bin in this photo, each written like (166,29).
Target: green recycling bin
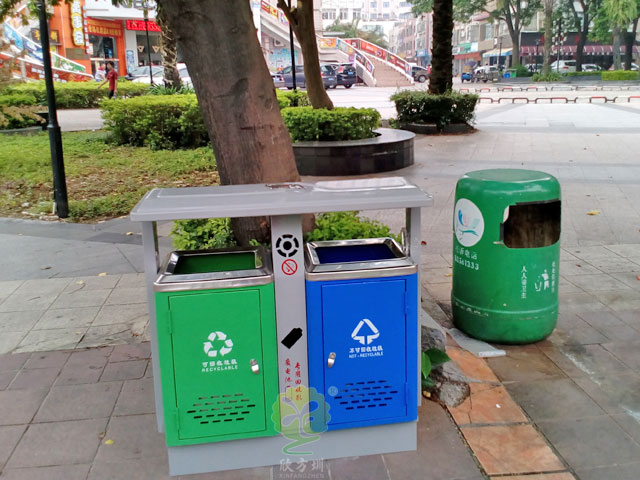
(217,345)
(506,253)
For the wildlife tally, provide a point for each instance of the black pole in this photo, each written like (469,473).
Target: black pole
(293,53)
(558,46)
(146,28)
(55,138)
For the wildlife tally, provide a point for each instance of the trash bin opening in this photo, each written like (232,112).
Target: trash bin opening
(354,253)
(209,262)
(531,225)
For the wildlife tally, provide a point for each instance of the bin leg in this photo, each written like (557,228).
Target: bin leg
(413,223)
(151,268)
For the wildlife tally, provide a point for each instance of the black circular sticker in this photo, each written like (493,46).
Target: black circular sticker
(287,245)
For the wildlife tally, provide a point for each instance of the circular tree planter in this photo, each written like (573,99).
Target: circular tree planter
(390,150)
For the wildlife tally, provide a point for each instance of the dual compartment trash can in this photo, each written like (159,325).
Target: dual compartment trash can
(217,345)
(506,255)
(362,323)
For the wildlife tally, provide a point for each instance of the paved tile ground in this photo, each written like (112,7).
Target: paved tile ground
(89,414)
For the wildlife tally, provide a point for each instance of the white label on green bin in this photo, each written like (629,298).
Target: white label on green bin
(468,223)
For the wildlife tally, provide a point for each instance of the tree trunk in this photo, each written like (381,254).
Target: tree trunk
(582,41)
(441,78)
(548,36)
(616,48)
(515,52)
(301,19)
(630,40)
(169,47)
(236,97)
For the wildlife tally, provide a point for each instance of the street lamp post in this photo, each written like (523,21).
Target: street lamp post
(537,45)
(558,45)
(293,54)
(60,200)
(146,29)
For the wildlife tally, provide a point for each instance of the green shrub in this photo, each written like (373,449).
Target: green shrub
(419,106)
(581,74)
(307,123)
(21,116)
(77,94)
(16,99)
(203,233)
(158,121)
(346,226)
(216,232)
(522,71)
(164,90)
(549,77)
(294,98)
(619,75)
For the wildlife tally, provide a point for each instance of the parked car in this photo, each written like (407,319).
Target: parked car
(564,66)
(346,74)
(278,80)
(138,72)
(419,74)
(485,73)
(328,77)
(591,67)
(158,76)
(634,66)
(533,67)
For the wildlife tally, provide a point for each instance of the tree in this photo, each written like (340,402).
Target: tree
(351,30)
(169,47)
(301,19)
(582,19)
(548,36)
(614,18)
(236,96)
(441,78)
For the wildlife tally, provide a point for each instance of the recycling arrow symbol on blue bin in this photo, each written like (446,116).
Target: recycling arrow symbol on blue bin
(361,338)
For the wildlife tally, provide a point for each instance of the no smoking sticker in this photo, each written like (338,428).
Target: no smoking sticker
(289,267)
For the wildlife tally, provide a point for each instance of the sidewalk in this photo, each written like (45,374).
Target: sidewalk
(567,407)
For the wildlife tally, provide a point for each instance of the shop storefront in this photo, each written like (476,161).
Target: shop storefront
(106,43)
(137,50)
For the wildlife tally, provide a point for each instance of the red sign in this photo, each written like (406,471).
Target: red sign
(289,267)
(138,25)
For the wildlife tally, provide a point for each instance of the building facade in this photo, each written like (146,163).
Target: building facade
(412,39)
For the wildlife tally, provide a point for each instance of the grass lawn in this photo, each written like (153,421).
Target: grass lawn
(103,181)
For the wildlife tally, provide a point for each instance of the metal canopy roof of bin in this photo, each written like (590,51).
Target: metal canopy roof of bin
(279,199)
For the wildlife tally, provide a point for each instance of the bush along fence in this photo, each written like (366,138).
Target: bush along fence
(605,76)
(308,124)
(423,108)
(75,94)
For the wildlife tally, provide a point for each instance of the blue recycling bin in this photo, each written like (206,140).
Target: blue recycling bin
(362,320)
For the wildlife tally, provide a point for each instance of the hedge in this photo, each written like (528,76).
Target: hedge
(620,75)
(307,123)
(19,116)
(549,77)
(76,94)
(157,121)
(16,99)
(295,98)
(417,106)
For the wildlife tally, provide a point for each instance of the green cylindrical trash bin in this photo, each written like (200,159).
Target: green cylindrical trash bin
(506,253)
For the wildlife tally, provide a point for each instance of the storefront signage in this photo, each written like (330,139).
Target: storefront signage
(104,28)
(138,25)
(77,23)
(54,36)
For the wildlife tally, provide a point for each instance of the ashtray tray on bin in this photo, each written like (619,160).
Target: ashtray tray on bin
(217,345)
(362,322)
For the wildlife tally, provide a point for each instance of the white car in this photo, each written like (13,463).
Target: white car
(564,66)
(591,67)
(158,76)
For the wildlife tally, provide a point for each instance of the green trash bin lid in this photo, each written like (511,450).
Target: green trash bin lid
(209,269)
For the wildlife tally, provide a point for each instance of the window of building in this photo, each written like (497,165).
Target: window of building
(374,4)
(357,13)
(385,4)
(344,13)
(328,14)
(488,31)
(385,16)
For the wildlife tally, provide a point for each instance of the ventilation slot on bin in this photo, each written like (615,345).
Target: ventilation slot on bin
(365,395)
(221,408)
(531,225)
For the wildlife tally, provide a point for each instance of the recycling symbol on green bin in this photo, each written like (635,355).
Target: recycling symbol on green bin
(218,343)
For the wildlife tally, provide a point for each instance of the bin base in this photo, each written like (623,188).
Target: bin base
(265,451)
(504,327)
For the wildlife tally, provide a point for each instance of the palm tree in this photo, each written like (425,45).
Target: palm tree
(169,47)
(620,14)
